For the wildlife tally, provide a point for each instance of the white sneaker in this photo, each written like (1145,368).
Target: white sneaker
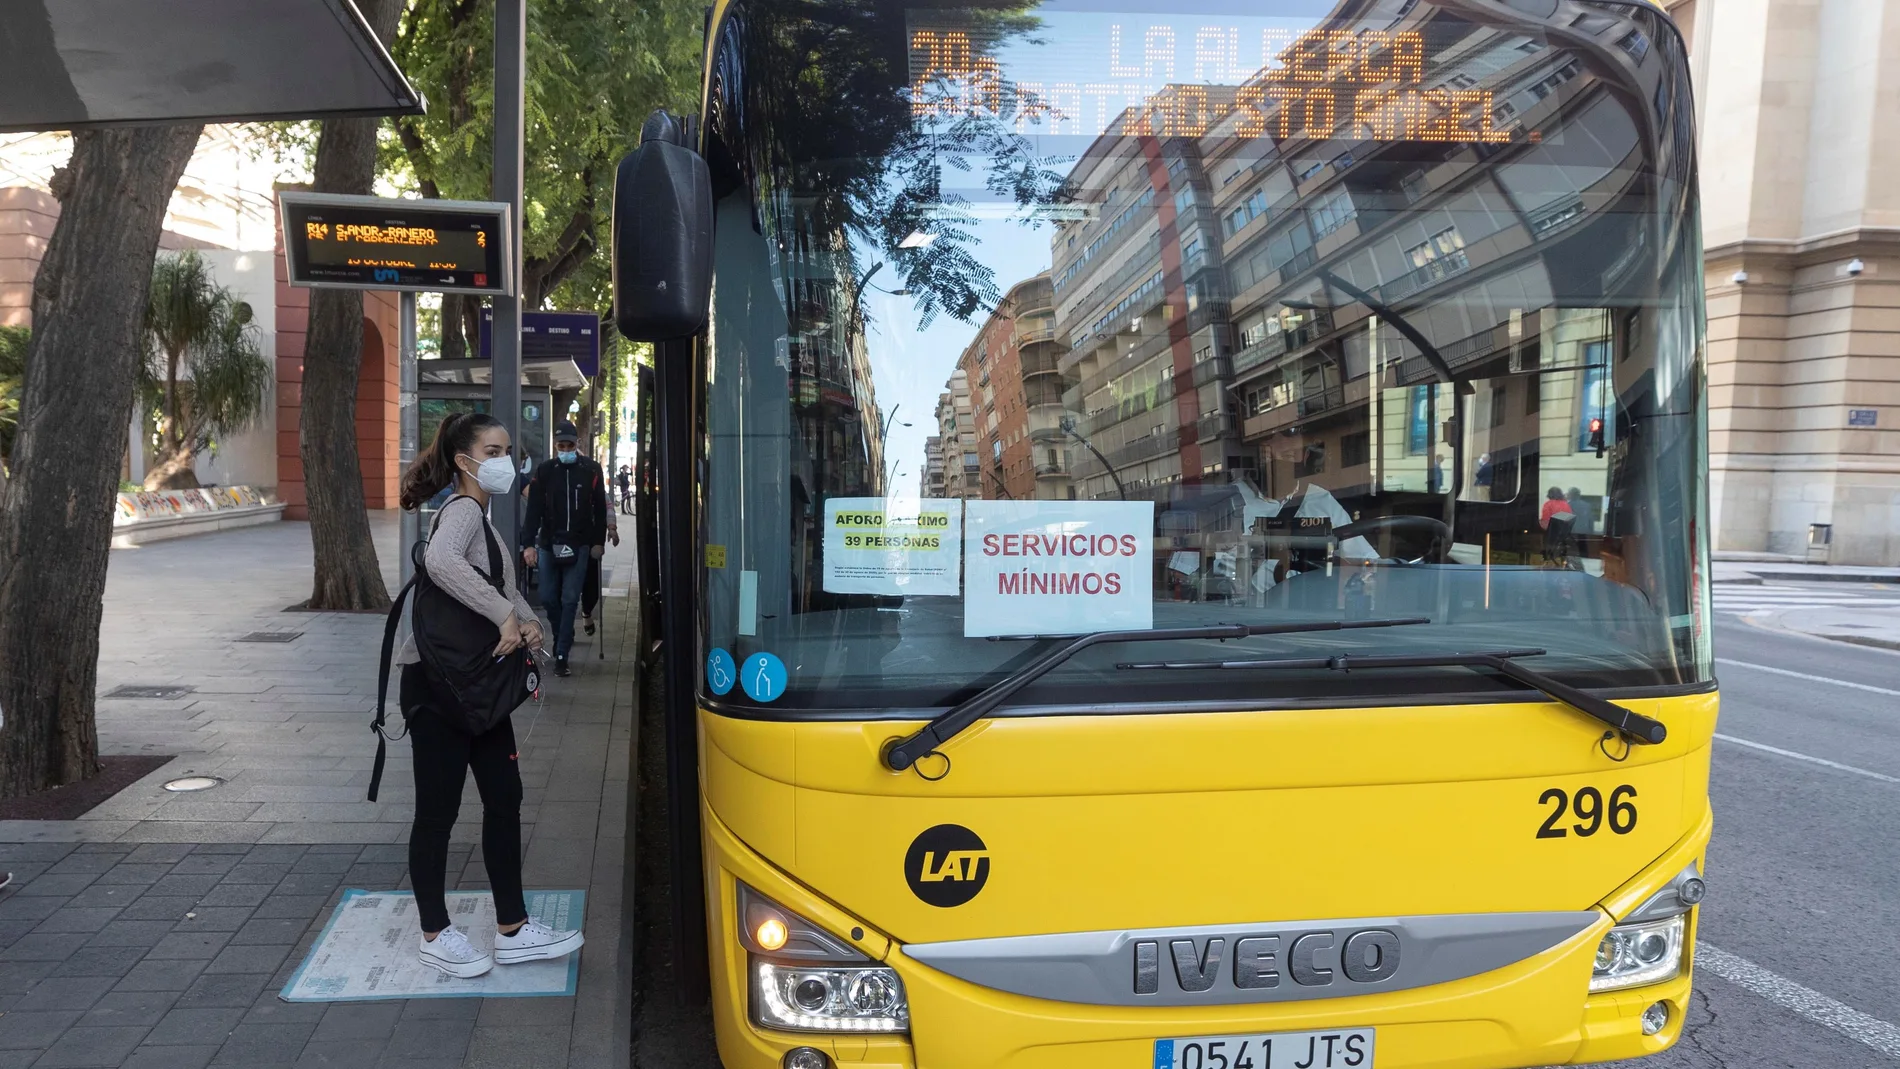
(451,952)
(535,941)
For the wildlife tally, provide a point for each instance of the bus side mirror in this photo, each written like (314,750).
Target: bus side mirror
(662,237)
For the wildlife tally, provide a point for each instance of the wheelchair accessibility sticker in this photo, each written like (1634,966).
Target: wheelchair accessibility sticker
(763,677)
(721,673)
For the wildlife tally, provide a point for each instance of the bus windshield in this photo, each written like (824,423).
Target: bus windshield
(1038,319)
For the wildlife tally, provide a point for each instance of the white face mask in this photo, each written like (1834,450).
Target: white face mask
(495,475)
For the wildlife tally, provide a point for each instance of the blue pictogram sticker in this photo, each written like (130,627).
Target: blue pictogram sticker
(721,673)
(763,677)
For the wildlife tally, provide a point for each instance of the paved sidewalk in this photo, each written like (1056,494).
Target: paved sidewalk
(157,930)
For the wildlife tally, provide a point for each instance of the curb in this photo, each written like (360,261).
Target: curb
(1861,640)
(1808,577)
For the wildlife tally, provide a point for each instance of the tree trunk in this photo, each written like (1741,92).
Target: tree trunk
(347,573)
(472,324)
(454,343)
(177,471)
(89,302)
(168,420)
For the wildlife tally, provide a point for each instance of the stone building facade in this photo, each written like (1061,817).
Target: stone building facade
(1801,232)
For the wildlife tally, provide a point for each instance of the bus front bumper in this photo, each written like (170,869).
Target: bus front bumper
(1532,1013)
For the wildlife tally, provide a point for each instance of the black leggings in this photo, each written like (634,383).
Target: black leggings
(443,755)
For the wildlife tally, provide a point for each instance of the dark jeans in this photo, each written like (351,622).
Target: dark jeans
(561,584)
(443,755)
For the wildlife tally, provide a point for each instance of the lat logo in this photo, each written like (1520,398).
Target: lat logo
(953,865)
(947,865)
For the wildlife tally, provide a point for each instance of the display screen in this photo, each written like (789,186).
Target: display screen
(1178,76)
(390,244)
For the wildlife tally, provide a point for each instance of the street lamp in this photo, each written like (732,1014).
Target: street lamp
(1067,423)
(884,428)
(864,283)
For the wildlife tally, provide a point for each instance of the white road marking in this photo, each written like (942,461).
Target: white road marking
(1771,593)
(1743,600)
(1764,747)
(1810,678)
(1805,1001)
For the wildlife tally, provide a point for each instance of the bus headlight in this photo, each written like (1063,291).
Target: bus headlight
(805,979)
(800,998)
(1634,955)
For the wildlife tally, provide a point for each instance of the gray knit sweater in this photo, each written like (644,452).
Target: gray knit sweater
(457,558)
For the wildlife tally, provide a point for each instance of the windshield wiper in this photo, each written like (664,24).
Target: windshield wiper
(1635,726)
(906,751)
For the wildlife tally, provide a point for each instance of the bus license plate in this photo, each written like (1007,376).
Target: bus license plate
(1346,1048)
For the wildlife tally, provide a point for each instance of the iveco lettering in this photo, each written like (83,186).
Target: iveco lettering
(1220,490)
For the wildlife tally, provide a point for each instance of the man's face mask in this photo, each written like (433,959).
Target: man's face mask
(567,456)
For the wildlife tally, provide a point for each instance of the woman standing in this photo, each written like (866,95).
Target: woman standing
(470,453)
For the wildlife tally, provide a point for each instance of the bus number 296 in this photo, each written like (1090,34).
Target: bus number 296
(1591,811)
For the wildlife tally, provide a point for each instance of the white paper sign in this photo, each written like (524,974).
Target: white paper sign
(1058,567)
(876,545)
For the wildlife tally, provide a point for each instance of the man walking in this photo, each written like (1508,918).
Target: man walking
(626,490)
(567,525)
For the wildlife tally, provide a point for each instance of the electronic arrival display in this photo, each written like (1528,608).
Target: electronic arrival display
(1089,74)
(435,246)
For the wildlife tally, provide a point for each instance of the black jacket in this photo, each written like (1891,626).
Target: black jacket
(567,505)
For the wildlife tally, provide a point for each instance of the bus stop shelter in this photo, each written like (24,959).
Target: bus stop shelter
(72,64)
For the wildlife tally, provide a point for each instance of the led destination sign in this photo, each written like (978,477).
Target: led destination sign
(385,243)
(1179,80)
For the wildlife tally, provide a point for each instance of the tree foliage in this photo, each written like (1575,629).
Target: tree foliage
(595,71)
(204,375)
(13,346)
(834,145)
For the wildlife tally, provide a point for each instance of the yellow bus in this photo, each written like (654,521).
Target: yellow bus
(1180,531)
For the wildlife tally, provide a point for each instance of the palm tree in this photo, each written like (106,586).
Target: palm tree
(204,373)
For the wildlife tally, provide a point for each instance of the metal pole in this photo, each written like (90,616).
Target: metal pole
(613,420)
(1068,427)
(511,39)
(409,426)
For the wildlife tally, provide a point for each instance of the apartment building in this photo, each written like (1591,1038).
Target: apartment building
(930,481)
(1016,396)
(1141,303)
(956,439)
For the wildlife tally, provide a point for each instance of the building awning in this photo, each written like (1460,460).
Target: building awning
(69,64)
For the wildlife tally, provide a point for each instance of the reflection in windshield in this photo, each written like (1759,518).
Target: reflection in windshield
(1044,319)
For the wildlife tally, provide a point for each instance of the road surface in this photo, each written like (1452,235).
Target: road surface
(1800,942)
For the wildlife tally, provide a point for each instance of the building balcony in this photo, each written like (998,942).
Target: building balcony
(1045,421)
(1036,330)
(1040,300)
(1218,425)
(1453,263)
(1213,369)
(1140,265)
(1151,345)
(1128,408)
(1144,448)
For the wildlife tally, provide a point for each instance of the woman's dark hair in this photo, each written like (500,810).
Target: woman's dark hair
(435,467)
(1555,493)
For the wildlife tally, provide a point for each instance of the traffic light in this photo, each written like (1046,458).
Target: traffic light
(1596,436)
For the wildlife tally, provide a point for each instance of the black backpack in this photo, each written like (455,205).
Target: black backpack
(456,645)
